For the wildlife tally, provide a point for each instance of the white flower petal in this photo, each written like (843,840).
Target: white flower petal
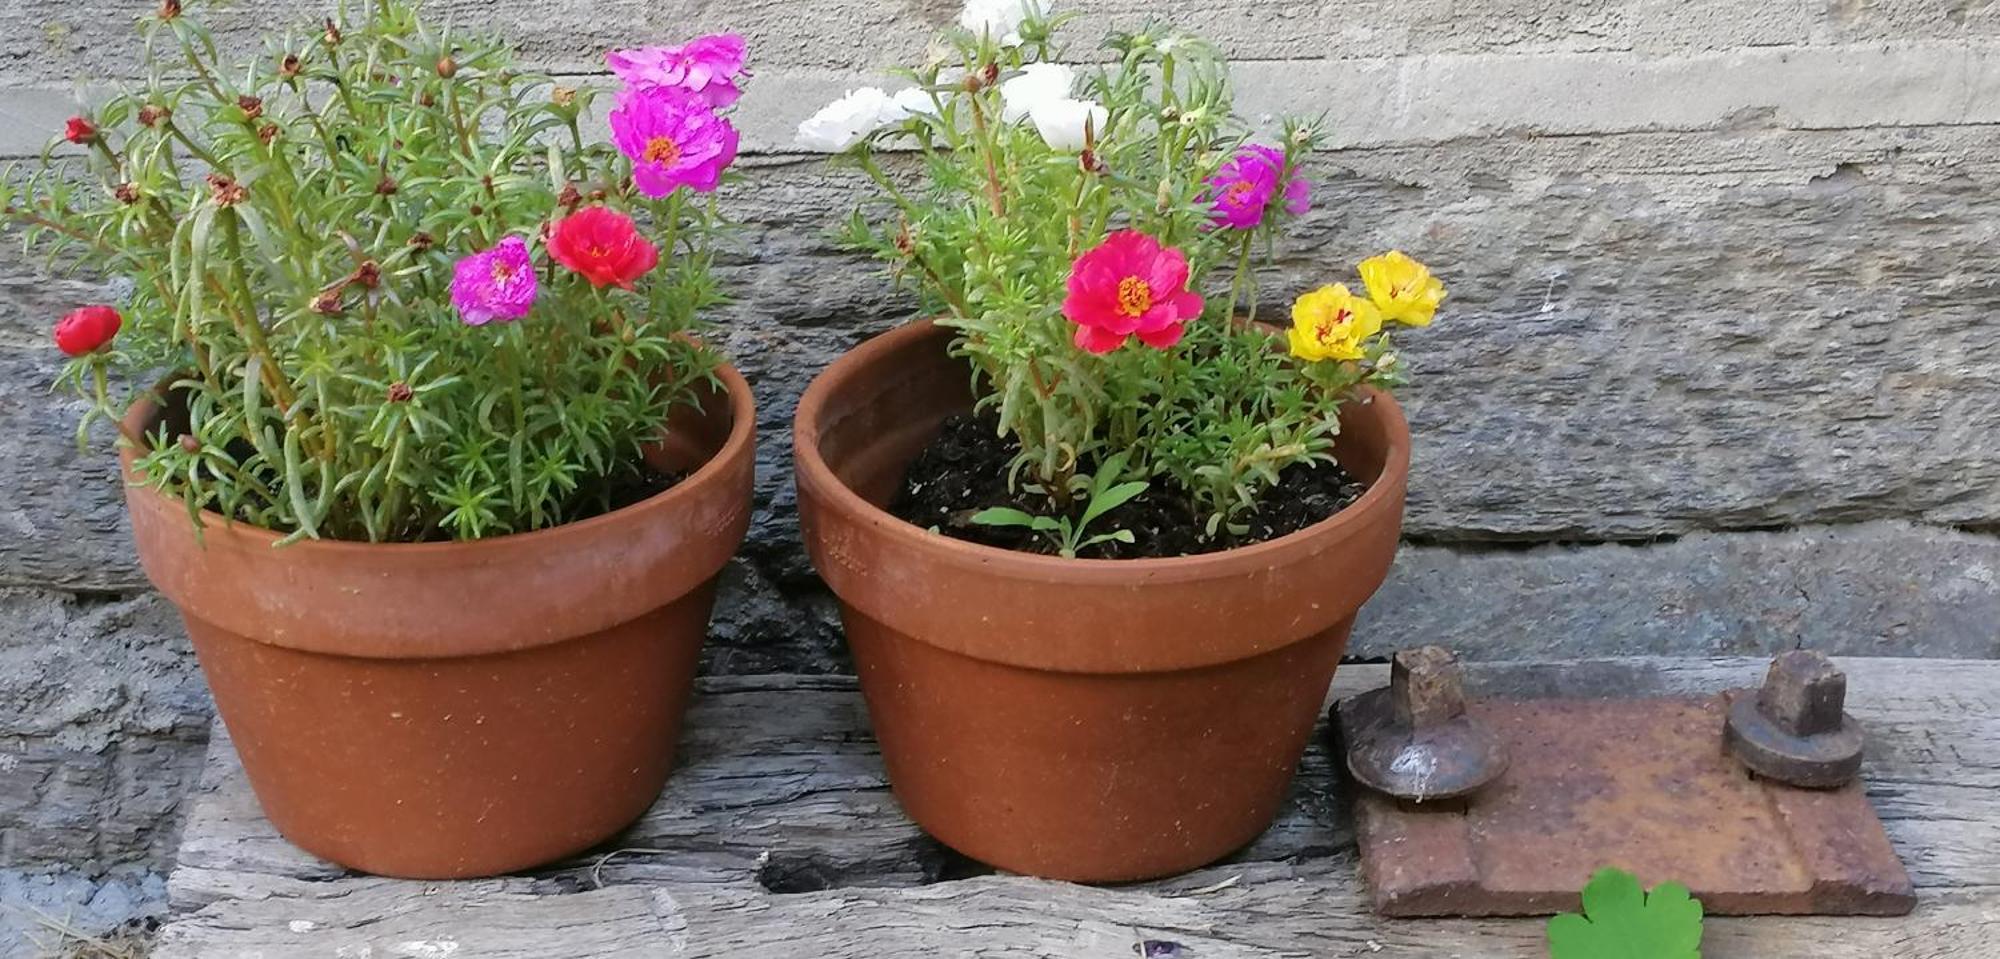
(1037,83)
(850,119)
(1000,19)
(1061,122)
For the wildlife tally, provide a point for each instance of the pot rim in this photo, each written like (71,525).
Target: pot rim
(742,433)
(811,468)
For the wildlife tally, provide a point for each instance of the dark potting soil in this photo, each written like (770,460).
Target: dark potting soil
(964,471)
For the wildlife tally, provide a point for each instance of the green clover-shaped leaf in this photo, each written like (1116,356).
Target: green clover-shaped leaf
(1621,921)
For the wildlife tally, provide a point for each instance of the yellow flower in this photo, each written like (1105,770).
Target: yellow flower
(1331,323)
(1403,289)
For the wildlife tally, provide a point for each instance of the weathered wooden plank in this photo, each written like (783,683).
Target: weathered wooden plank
(486,920)
(781,789)
(1310,911)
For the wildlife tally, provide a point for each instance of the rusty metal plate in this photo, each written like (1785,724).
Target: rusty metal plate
(1643,785)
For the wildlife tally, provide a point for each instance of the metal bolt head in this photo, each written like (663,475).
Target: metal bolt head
(1792,730)
(1804,693)
(1415,740)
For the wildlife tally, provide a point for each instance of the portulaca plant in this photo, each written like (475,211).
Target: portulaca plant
(1090,234)
(390,288)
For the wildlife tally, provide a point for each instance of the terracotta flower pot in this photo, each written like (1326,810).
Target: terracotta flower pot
(446,710)
(1091,720)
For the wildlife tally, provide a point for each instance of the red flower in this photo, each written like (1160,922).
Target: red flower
(87,329)
(79,131)
(1127,285)
(603,246)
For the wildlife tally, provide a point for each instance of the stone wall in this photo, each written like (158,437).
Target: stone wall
(1720,371)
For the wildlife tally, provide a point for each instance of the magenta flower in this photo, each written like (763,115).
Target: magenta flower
(1240,193)
(498,284)
(706,66)
(673,138)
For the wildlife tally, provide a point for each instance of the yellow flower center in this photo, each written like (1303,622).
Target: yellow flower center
(1238,189)
(1135,297)
(1324,331)
(502,271)
(662,151)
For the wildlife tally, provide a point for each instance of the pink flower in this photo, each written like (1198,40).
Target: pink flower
(673,138)
(706,66)
(1127,285)
(498,284)
(1240,193)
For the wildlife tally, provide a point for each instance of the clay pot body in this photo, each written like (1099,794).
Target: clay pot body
(447,710)
(1090,720)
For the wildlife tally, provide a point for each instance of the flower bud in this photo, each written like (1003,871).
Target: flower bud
(422,241)
(368,275)
(87,329)
(151,114)
(267,133)
(400,392)
(127,193)
(332,33)
(225,191)
(189,444)
(170,9)
(290,66)
(447,67)
(252,107)
(387,186)
(564,96)
(427,100)
(80,131)
(570,198)
(328,303)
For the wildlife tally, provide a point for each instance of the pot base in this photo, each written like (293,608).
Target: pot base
(449,769)
(1090,778)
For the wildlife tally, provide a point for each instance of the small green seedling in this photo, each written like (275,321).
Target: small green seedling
(1105,495)
(1622,921)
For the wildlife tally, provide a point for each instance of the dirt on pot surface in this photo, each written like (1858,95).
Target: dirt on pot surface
(965,470)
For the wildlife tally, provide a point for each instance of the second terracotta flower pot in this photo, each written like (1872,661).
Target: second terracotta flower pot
(447,710)
(1091,720)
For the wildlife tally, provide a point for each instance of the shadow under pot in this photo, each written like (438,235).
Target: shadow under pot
(450,710)
(1089,720)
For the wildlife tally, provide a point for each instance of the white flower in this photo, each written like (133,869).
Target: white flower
(1037,83)
(849,120)
(1061,122)
(1000,19)
(917,101)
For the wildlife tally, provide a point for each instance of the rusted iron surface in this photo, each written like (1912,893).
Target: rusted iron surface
(1794,729)
(1643,785)
(1413,739)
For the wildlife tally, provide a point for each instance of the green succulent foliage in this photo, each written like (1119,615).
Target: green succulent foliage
(989,228)
(289,227)
(1620,920)
(1100,493)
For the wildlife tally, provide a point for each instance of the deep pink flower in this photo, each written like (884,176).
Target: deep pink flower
(1128,285)
(1240,193)
(79,131)
(673,138)
(706,66)
(498,284)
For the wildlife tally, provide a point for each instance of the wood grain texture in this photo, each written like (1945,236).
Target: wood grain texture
(782,788)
